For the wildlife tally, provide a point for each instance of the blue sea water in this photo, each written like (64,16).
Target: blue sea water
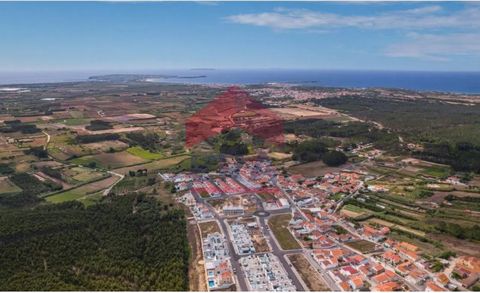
(459,82)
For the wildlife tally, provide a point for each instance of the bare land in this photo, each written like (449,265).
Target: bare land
(314,169)
(208,228)
(309,275)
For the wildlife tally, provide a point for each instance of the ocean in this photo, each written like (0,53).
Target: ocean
(457,82)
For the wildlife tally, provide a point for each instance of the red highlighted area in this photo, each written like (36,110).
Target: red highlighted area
(234,109)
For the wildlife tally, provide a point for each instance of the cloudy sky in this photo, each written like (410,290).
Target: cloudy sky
(318,35)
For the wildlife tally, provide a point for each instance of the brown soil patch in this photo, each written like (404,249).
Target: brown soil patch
(209,227)
(461,247)
(314,169)
(309,275)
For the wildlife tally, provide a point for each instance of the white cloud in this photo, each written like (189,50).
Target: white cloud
(436,47)
(426,17)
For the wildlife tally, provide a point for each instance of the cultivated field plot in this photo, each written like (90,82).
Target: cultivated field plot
(208,228)
(109,160)
(75,121)
(7,186)
(105,146)
(352,211)
(363,246)
(83,191)
(144,154)
(279,226)
(114,130)
(155,165)
(309,275)
(81,174)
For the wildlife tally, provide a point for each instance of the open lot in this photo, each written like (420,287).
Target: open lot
(314,169)
(363,246)
(208,228)
(309,275)
(279,226)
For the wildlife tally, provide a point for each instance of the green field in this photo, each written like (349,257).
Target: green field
(143,153)
(437,171)
(91,199)
(86,174)
(156,165)
(353,208)
(86,160)
(66,196)
(75,121)
(279,224)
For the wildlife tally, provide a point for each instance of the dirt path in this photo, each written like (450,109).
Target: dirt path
(47,141)
(196,273)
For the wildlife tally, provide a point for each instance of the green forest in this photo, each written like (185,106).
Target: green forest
(124,243)
(449,133)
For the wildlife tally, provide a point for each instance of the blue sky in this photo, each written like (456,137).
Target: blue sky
(165,35)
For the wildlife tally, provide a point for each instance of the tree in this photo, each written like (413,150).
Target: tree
(334,158)
(308,151)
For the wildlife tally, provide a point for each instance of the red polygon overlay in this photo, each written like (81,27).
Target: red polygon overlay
(234,108)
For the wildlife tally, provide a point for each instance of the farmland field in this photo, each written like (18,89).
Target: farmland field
(155,165)
(109,160)
(105,146)
(83,174)
(144,154)
(7,186)
(82,191)
(75,121)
